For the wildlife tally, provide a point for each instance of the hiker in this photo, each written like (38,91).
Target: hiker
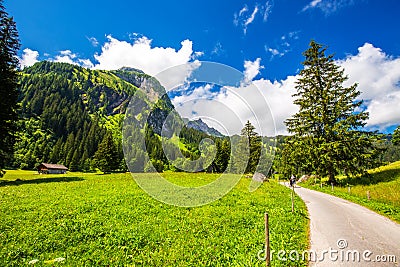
(292,180)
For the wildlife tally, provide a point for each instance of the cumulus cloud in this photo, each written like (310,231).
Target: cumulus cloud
(29,57)
(86,63)
(65,56)
(264,103)
(227,108)
(141,55)
(152,60)
(378,78)
(251,69)
(328,6)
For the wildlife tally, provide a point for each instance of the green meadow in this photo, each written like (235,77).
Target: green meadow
(82,219)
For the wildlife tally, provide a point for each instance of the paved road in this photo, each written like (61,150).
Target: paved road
(349,229)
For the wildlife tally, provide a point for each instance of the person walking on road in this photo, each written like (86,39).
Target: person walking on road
(292,180)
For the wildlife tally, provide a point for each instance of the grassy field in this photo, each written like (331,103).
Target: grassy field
(383,185)
(90,219)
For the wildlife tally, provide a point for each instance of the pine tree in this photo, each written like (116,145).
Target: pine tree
(248,134)
(106,157)
(396,136)
(327,129)
(223,154)
(9,46)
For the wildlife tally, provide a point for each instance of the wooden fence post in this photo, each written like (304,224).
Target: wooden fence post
(368,195)
(267,248)
(332,186)
(293,198)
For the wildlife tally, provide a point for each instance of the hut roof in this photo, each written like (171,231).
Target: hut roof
(52,166)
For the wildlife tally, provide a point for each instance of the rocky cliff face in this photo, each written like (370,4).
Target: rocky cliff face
(203,127)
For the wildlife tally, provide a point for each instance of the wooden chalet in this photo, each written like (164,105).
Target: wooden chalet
(47,168)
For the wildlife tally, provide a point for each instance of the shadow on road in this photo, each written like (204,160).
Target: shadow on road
(40,181)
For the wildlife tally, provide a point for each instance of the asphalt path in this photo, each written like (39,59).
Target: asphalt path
(346,234)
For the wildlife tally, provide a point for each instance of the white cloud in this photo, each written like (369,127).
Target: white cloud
(197,54)
(86,63)
(93,41)
(243,10)
(152,60)
(250,19)
(251,69)
(177,75)
(217,50)
(243,18)
(65,56)
(141,55)
(29,57)
(328,6)
(378,78)
(283,46)
(312,4)
(267,11)
(264,103)
(274,52)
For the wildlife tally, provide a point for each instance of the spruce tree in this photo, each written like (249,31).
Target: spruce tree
(396,136)
(327,136)
(254,143)
(106,157)
(9,46)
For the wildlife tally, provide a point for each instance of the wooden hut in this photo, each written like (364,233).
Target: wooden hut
(47,168)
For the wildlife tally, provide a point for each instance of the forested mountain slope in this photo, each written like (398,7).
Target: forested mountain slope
(67,111)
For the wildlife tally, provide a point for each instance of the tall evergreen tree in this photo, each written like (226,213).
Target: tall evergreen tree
(396,136)
(106,157)
(254,144)
(223,154)
(327,129)
(9,46)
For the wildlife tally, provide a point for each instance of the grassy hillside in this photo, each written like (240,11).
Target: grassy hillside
(383,185)
(92,219)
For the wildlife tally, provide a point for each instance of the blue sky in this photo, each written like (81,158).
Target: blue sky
(269,35)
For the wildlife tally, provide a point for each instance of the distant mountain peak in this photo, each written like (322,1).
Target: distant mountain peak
(130,69)
(203,127)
